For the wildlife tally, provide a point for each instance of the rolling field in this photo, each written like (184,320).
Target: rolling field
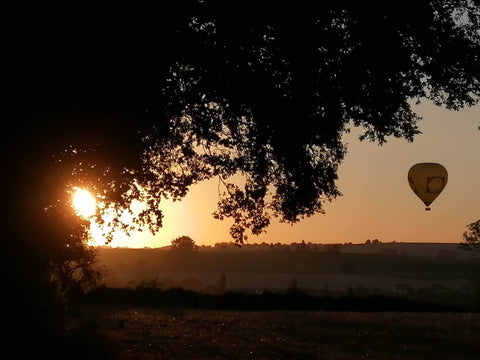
(200,334)
(275,270)
(436,278)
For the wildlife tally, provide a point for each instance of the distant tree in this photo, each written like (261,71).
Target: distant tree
(471,242)
(149,284)
(332,248)
(221,246)
(326,290)
(222,284)
(368,242)
(303,246)
(292,287)
(184,243)
(471,237)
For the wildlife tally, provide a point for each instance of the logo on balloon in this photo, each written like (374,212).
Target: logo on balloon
(435,184)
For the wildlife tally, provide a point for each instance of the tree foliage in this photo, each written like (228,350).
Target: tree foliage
(207,89)
(184,243)
(228,90)
(471,237)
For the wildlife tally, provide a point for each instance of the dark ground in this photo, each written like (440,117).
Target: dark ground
(139,333)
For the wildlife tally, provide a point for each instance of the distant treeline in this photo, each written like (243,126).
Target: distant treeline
(369,246)
(375,246)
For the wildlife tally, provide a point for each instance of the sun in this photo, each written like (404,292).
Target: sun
(84,203)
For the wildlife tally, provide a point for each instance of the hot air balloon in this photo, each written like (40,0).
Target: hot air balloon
(427,181)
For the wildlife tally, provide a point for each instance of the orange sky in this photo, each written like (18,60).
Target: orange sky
(377,201)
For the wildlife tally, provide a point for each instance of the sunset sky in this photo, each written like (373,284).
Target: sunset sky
(377,201)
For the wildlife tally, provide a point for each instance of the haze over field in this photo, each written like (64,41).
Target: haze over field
(416,271)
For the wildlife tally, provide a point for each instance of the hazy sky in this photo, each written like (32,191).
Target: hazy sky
(377,201)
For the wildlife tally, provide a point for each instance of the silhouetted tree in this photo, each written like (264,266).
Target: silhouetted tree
(471,242)
(292,287)
(303,246)
(471,237)
(184,243)
(222,284)
(209,89)
(332,248)
(264,93)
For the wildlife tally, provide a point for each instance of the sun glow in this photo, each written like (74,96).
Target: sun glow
(174,222)
(172,227)
(84,203)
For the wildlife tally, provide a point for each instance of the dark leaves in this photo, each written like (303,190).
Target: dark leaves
(222,90)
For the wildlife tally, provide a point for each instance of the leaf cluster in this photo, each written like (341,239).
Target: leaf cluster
(245,90)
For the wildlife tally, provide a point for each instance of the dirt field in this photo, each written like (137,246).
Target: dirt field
(196,334)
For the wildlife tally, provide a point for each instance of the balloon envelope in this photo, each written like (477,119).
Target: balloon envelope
(427,181)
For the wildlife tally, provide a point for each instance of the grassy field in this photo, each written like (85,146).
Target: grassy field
(138,333)
(150,321)
(260,270)
(443,280)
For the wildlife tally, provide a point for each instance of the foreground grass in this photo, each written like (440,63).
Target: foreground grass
(209,334)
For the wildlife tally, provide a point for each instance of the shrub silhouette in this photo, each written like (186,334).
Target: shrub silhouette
(184,243)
